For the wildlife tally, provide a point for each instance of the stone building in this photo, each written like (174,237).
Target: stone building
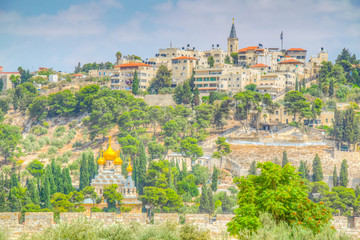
(110,173)
(232,41)
(5,77)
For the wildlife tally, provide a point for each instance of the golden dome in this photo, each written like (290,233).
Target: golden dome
(109,154)
(101,160)
(118,160)
(129,168)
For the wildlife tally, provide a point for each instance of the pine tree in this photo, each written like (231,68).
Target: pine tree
(135,84)
(84,173)
(68,187)
(335,177)
(252,170)
(178,94)
(215,179)
(284,159)
(204,200)
(303,170)
(211,201)
(344,178)
(296,85)
(317,169)
(142,167)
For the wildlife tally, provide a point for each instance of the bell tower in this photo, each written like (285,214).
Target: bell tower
(232,41)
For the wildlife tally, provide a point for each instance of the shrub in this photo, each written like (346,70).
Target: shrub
(45,139)
(59,131)
(38,130)
(42,155)
(58,143)
(45,124)
(72,124)
(52,150)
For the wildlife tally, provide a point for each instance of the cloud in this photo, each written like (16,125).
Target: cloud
(77,20)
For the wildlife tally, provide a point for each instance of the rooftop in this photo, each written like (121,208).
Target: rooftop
(248,48)
(290,61)
(296,49)
(259,65)
(184,57)
(233,32)
(129,65)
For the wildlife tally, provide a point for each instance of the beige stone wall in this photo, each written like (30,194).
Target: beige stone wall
(104,217)
(133,217)
(68,217)
(8,219)
(40,219)
(166,217)
(197,218)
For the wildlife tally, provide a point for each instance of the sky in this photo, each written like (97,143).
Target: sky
(61,33)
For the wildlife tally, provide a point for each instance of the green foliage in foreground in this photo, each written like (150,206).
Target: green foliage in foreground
(84,229)
(281,193)
(271,230)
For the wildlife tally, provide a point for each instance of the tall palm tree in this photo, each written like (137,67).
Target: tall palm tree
(118,56)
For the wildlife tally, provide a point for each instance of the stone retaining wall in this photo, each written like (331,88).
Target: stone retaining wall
(164,217)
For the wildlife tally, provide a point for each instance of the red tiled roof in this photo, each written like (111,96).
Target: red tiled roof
(296,49)
(258,65)
(9,73)
(248,48)
(184,57)
(128,65)
(77,75)
(290,61)
(260,49)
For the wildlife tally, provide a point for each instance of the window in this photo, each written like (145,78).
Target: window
(326,120)
(277,112)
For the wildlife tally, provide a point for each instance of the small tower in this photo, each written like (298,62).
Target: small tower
(233,41)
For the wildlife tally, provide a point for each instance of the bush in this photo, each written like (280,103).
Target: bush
(4,234)
(45,124)
(58,143)
(38,130)
(72,124)
(45,139)
(42,155)
(52,150)
(59,131)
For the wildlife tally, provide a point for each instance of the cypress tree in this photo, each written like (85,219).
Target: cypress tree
(284,159)
(186,97)
(49,174)
(14,180)
(215,179)
(357,191)
(196,98)
(304,84)
(84,173)
(211,201)
(331,87)
(303,170)
(335,177)
(226,204)
(68,187)
(297,85)
(92,165)
(45,193)
(33,192)
(58,178)
(252,170)
(204,200)
(135,84)
(317,169)
(142,167)
(344,178)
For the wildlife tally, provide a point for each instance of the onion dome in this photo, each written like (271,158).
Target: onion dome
(101,160)
(118,160)
(129,168)
(109,154)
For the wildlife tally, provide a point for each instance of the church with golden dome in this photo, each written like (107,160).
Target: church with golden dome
(110,173)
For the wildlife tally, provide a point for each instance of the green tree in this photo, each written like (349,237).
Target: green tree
(211,61)
(335,177)
(296,104)
(36,169)
(317,169)
(45,193)
(344,178)
(118,56)
(215,179)
(89,192)
(113,197)
(33,192)
(252,170)
(154,197)
(303,170)
(84,172)
(279,192)
(227,59)
(142,168)
(135,84)
(196,98)
(226,204)
(161,80)
(204,206)
(9,137)
(222,149)
(284,159)
(251,87)
(61,202)
(189,148)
